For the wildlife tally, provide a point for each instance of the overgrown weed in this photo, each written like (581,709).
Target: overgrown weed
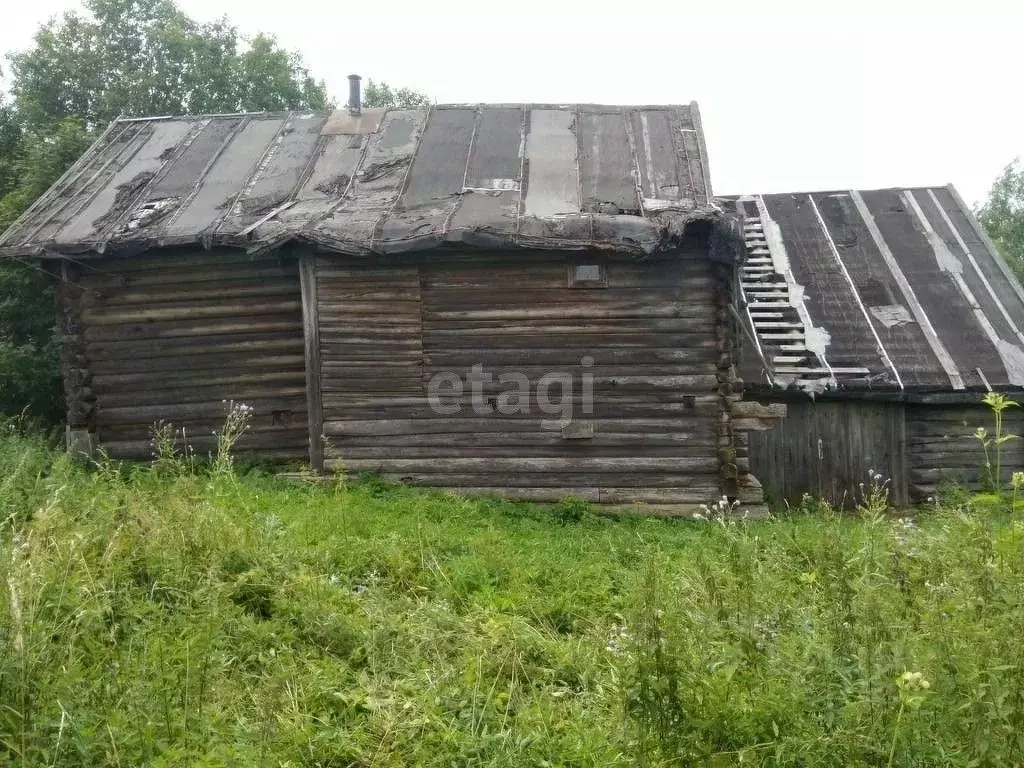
(185,613)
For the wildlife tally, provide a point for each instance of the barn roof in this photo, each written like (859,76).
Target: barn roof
(889,290)
(382,182)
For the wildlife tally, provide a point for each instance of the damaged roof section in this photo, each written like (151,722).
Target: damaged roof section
(890,290)
(385,181)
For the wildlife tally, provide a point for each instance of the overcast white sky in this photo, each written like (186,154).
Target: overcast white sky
(795,96)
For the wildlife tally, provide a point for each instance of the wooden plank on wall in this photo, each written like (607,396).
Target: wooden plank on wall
(311,336)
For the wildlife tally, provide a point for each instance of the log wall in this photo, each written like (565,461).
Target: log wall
(826,447)
(171,336)
(943,450)
(643,339)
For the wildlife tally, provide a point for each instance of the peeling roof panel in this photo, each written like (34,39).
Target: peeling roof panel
(551,176)
(279,172)
(890,291)
(607,168)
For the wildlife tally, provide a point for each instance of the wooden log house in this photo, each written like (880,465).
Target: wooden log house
(879,319)
(536,301)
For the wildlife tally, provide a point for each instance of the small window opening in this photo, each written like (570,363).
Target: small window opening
(588,276)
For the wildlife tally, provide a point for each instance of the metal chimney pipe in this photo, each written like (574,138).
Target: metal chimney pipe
(354,96)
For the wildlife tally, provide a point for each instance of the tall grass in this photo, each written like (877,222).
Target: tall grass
(177,614)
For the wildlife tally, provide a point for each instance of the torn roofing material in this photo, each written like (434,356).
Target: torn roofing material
(890,290)
(384,181)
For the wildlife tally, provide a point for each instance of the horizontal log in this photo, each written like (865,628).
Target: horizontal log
(949,462)
(243,325)
(369,350)
(605,337)
(501,466)
(391,381)
(945,436)
(295,441)
(490,274)
(691,250)
(575,408)
(969,451)
(932,474)
(633,440)
(707,403)
(706,484)
(623,310)
(599,412)
(603,398)
(451,330)
(173,293)
(372,385)
(952,440)
(328,269)
(554,356)
(259,343)
(198,361)
(686,376)
(512,281)
(978,416)
(567,449)
(189,311)
(341,293)
(602,388)
(185,395)
(964,426)
(266,423)
(255,275)
(215,408)
(400,363)
(155,381)
(381,314)
(293,453)
(370,331)
(530,298)
(484,424)
(695,382)
(341,345)
(368,334)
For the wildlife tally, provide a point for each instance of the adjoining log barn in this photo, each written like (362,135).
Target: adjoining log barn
(372,282)
(880,319)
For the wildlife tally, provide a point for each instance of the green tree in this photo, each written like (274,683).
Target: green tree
(1002,215)
(29,372)
(146,57)
(120,58)
(381,95)
(10,140)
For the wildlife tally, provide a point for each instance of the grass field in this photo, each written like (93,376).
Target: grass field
(171,616)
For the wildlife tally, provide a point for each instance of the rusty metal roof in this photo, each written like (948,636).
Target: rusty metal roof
(385,181)
(889,290)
